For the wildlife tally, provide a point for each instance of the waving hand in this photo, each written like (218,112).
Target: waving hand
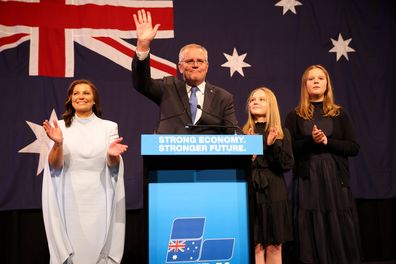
(144,30)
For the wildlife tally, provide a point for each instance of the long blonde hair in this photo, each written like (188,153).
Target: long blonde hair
(305,109)
(273,116)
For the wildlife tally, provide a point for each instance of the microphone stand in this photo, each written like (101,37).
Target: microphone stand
(190,126)
(170,117)
(235,127)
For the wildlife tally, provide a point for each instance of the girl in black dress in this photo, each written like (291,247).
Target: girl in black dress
(271,209)
(323,139)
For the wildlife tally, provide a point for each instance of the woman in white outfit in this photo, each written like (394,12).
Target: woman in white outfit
(83,186)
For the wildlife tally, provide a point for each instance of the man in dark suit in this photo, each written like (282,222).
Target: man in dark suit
(188,106)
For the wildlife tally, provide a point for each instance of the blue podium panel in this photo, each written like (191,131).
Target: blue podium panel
(198,222)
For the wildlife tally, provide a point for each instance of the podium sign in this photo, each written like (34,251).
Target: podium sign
(201,144)
(198,203)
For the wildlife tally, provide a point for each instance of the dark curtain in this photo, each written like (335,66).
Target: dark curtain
(23,239)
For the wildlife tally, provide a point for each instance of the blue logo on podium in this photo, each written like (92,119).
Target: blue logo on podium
(186,243)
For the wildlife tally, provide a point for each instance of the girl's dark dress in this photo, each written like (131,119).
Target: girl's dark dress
(271,210)
(324,210)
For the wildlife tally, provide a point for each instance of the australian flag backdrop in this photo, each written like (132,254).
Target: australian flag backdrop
(46,44)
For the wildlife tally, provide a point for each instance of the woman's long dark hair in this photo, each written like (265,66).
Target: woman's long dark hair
(68,115)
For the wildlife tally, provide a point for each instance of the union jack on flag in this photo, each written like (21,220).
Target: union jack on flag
(99,25)
(176,245)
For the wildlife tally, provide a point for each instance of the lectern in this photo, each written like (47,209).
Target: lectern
(197,197)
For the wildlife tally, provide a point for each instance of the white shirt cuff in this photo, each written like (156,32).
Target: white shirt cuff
(142,55)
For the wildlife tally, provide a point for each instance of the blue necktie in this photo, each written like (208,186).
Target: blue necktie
(193,103)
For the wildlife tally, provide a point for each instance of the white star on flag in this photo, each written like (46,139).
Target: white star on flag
(288,5)
(341,47)
(42,143)
(235,62)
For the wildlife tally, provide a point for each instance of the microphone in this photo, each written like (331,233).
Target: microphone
(233,126)
(208,126)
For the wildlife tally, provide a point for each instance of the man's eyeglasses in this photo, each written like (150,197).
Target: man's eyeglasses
(194,62)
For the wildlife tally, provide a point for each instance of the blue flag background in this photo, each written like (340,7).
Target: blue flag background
(272,45)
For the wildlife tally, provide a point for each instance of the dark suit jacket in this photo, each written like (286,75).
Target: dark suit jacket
(170,94)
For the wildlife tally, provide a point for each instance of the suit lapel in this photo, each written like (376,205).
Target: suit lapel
(181,89)
(208,96)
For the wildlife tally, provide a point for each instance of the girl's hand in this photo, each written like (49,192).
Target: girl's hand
(272,135)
